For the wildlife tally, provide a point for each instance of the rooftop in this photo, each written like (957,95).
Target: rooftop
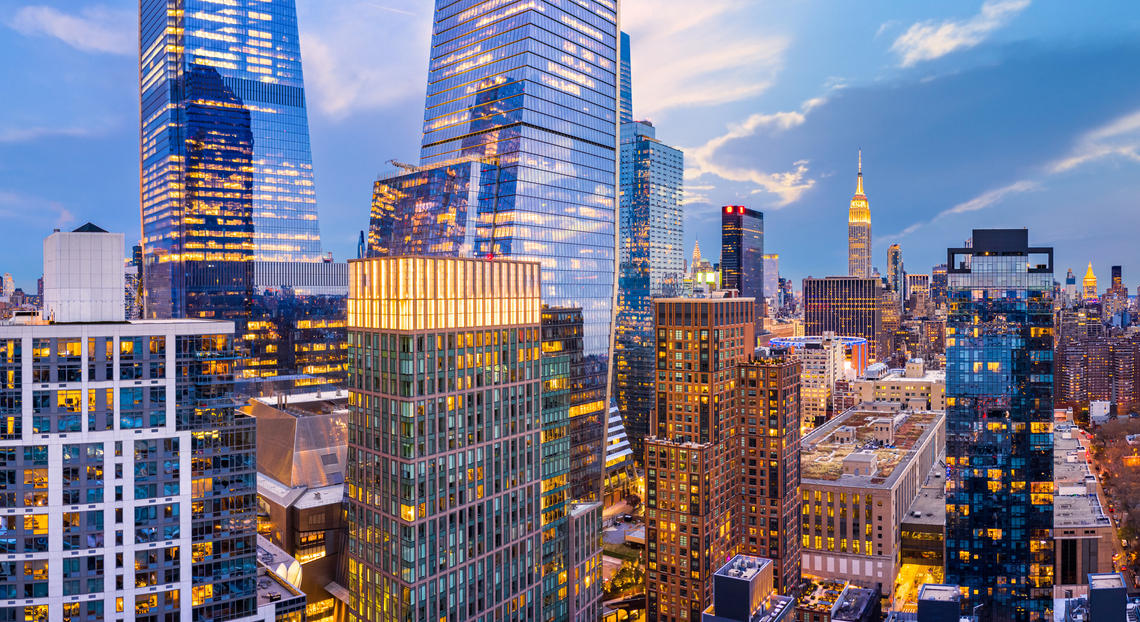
(1076,502)
(929,507)
(1106,580)
(840,599)
(744,567)
(876,433)
(939,592)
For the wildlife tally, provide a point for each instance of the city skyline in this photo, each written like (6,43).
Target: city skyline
(1063,155)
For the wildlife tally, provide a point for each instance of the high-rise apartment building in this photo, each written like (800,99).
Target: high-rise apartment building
(847,306)
(822,366)
(1115,299)
(130,482)
(445,469)
(228,206)
(691,474)
(896,274)
(650,265)
(742,252)
(859,231)
(999,413)
(938,285)
(1095,362)
(768,433)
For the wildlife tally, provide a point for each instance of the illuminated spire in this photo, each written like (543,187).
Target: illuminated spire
(1089,284)
(697,253)
(859,183)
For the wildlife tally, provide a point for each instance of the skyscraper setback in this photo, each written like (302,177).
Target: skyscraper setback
(859,230)
(999,417)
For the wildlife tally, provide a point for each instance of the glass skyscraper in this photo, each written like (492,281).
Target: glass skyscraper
(999,417)
(625,97)
(650,265)
(742,252)
(227,199)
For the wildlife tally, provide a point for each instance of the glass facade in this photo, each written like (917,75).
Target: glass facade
(444,471)
(742,252)
(625,103)
(999,411)
(227,175)
(650,264)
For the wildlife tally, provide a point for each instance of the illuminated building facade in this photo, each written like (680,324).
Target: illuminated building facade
(742,252)
(822,364)
(691,494)
(999,413)
(650,265)
(444,470)
(938,281)
(859,231)
(772,276)
(896,274)
(227,195)
(766,402)
(1088,285)
(847,306)
(625,101)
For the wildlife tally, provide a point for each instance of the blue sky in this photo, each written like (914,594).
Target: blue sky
(995,113)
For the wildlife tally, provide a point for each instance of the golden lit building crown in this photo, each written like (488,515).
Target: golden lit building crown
(860,210)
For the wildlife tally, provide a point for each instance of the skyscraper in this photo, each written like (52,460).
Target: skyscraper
(859,230)
(134,479)
(896,275)
(691,473)
(229,215)
(1070,290)
(742,252)
(1088,286)
(847,306)
(938,281)
(444,448)
(999,413)
(650,265)
(766,402)
(625,101)
(772,276)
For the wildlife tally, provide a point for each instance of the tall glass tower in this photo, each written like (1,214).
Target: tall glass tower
(651,265)
(742,252)
(625,98)
(999,417)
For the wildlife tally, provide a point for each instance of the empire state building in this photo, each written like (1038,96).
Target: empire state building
(859,231)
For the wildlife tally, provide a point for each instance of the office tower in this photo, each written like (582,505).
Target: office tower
(847,306)
(822,361)
(772,276)
(766,401)
(229,215)
(859,230)
(444,461)
(896,275)
(625,82)
(888,345)
(938,285)
(744,590)
(1115,298)
(742,252)
(1070,290)
(650,265)
(119,445)
(9,284)
(691,475)
(1088,286)
(999,412)
(918,294)
(696,255)
(860,472)
(621,476)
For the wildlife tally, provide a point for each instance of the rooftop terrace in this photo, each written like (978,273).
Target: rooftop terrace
(866,445)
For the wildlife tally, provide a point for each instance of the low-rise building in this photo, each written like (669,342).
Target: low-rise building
(1082,532)
(839,601)
(915,387)
(744,590)
(859,475)
(923,538)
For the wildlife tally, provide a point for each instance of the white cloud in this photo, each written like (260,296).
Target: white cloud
(788,185)
(34,209)
(94,29)
(363,55)
(1120,137)
(688,54)
(933,39)
(987,199)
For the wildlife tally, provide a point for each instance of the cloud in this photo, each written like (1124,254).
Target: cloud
(788,185)
(94,29)
(28,134)
(980,202)
(679,61)
(34,210)
(356,53)
(931,39)
(1120,137)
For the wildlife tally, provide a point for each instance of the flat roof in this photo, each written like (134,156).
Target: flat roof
(743,567)
(1074,506)
(1105,580)
(939,592)
(930,503)
(822,455)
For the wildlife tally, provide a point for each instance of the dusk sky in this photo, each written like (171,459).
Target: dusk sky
(1003,113)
